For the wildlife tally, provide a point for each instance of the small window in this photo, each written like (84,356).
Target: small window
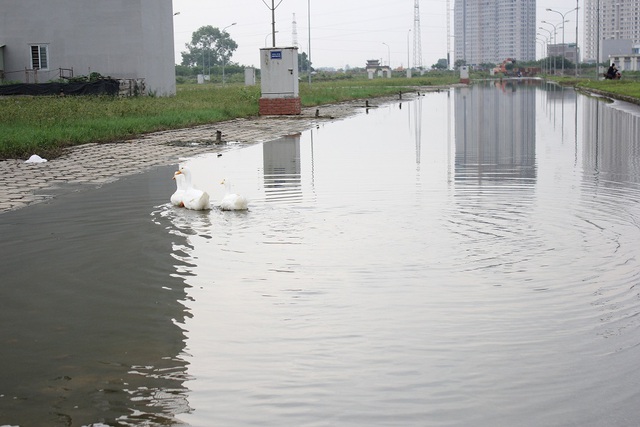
(40,57)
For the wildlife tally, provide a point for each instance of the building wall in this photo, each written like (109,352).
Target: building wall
(619,20)
(129,39)
(626,62)
(490,31)
(569,50)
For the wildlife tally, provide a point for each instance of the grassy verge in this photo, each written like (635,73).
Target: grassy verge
(46,125)
(624,88)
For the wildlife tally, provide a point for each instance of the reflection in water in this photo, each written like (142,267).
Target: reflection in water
(282,179)
(495,173)
(612,140)
(495,132)
(417,123)
(88,304)
(502,293)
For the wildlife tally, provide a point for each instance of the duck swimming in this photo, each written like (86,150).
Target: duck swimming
(232,201)
(191,197)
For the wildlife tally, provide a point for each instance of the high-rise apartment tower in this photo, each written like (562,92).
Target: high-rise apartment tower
(619,20)
(490,31)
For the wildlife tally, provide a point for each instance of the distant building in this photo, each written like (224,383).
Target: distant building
(489,31)
(41,41)
(569,50)
(624,63)
(619,20)
(374,68)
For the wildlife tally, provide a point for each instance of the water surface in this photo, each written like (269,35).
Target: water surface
(466,258)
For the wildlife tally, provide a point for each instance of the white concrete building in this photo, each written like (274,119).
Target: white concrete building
(626,62)
(619,20)
(490,31)
(123,39)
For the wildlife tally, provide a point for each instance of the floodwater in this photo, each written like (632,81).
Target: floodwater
(467,258)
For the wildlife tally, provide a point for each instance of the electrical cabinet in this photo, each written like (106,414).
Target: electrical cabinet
(279,72)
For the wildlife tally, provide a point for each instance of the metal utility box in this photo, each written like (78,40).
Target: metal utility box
(464,74)
(279,81)
(249,76)
(279,72)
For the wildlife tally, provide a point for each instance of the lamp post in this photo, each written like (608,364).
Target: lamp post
(550,39)
(309,31)
(555,41)
(541,42)
(388,54)
(555,44)
(408,63)
(267,36)
(563,45)
(546,42)
(576,50)
(598,40)
(222,39)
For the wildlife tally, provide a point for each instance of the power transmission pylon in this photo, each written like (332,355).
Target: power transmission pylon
(294,36)
(417,43)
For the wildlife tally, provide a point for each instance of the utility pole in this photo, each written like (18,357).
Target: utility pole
(273,8)
(448,35)
(598,40)
(577,56)
(309,31)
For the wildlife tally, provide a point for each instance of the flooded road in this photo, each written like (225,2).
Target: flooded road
(469,257)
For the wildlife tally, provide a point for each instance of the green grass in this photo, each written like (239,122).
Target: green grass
(625,87)
(46,125)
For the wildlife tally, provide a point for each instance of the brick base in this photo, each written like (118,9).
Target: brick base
(465,81)
(279,106)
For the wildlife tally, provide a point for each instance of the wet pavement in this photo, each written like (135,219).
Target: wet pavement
(22,184)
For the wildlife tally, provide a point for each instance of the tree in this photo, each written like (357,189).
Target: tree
(459,63)
(486,66)
(440,65)
(303,63)
(209,46)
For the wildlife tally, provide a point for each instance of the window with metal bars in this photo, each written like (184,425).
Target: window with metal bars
(39,57)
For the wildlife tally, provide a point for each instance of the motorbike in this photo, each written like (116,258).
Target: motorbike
(614,76)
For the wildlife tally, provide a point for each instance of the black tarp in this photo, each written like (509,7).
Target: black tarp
(100,87)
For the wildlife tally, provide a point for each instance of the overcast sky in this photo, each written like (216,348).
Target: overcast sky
(343,32)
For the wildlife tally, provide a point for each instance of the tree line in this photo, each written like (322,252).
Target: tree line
(210,49)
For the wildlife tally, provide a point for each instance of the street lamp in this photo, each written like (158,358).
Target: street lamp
(388,54)
(408,64)
(555,41)
(542,43)
(309,33)
(547,59)
(222,40)
(266,37)
(563,45)
(551,39)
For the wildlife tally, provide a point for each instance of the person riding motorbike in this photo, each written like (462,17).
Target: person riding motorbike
(612,72)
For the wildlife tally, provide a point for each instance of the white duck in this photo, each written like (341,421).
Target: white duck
(192,198)
(232,201)
(176,198)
